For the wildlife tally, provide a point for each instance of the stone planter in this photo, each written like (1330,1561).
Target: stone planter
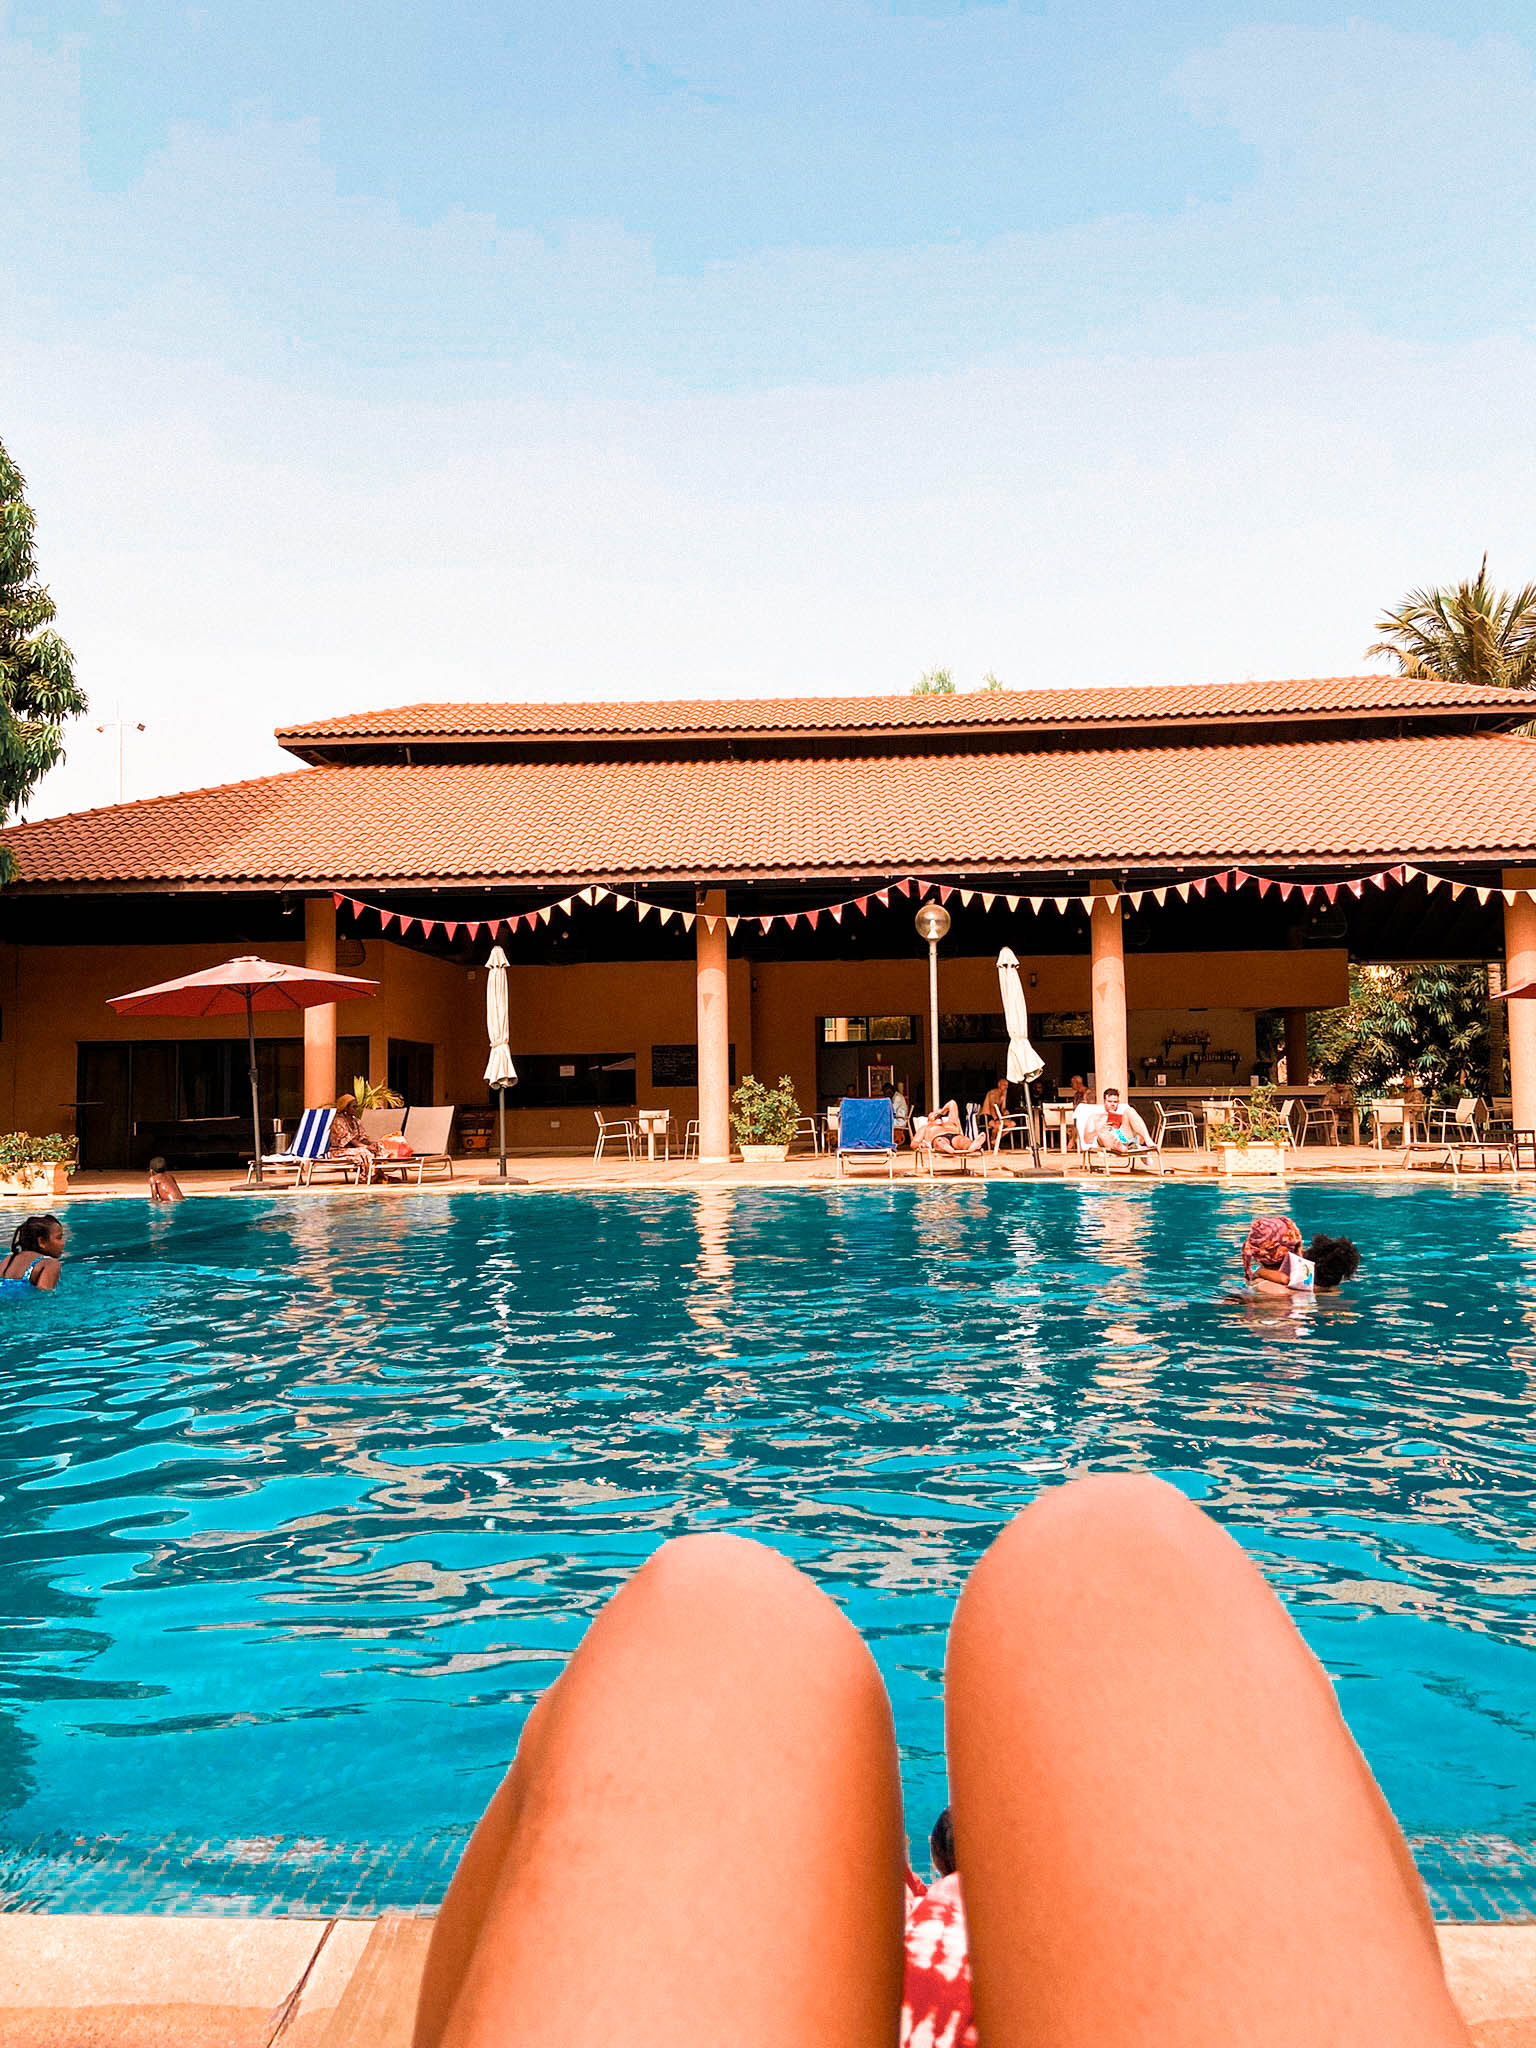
(760,1155)
(1252,1159)
(38,1182)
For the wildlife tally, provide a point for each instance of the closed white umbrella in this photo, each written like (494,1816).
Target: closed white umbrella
(1023,1061)
(499,1070)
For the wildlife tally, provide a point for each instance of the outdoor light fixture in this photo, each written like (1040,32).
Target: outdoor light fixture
(932,923)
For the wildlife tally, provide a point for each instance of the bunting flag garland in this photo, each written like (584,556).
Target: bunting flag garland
(406,925)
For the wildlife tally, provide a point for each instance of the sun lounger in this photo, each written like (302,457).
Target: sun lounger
(427,1133)
(866,1129)
(310,1142)
(382,1123)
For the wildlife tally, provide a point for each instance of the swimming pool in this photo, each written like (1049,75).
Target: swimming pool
(303,1502)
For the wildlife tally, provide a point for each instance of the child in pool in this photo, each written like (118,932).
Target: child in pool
(1333,1260)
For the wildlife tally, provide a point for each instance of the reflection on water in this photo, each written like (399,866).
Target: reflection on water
(301,1504)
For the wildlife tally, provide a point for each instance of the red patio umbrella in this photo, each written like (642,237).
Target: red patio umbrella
(246,984)
(1525,992)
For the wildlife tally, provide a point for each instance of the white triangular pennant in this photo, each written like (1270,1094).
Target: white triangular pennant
(644,909)
(731,924)
(987,901)
(1013,904)
(1159,897)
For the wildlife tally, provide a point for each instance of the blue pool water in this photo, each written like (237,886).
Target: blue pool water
(303,1502)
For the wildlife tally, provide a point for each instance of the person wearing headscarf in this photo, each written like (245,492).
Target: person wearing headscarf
(1272,1261)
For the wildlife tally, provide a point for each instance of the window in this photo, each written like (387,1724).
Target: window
(351,1062)
(572,1080)
(867,1030)
(411,1069)
(985,1027)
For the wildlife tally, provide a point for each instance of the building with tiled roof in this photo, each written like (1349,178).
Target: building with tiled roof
(410,835)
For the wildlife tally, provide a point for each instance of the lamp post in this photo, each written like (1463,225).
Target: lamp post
(932,923)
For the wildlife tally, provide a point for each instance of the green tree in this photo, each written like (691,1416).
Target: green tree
(37,671)
(1431,1021)
(938,682)
(1465,633)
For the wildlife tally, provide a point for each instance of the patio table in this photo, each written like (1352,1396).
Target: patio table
(652,1121)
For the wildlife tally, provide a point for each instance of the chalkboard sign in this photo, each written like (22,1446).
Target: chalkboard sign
(677,1066)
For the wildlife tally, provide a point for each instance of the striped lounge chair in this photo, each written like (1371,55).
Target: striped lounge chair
(311,1141)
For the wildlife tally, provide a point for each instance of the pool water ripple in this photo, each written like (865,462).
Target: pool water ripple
(303,1503)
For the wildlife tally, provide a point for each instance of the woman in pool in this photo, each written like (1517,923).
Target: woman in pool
(36,1249)
(1165,1831)
(1272,1261)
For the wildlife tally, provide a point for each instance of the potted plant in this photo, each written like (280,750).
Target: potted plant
(764,1118)
(1258,1144)
(36,1166)
(374,1095)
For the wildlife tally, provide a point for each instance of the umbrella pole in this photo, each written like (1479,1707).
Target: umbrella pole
(250,1040)
(1029,1118)
(501,1130)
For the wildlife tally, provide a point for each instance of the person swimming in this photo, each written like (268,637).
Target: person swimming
(1333,1260)
(37,1246)
(1272,1260)
(163,1184)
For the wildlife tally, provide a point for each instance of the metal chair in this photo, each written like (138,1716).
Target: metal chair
(691,1139)
(809,1127)
(616,1127)
(1458,1126)
(1388,1114)
(1317,1116)
(1501,1119)
(1181,1123)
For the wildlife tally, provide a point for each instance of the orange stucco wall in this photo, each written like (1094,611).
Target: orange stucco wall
(54,996)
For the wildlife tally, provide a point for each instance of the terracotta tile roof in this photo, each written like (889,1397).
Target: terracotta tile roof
(1336,695)
(1318,801)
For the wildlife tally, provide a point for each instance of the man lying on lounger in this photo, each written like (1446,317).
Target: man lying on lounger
(1118,1129)
(944,1132)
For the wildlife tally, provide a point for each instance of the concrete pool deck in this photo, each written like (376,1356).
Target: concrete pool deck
(569,1170)
(129,1981)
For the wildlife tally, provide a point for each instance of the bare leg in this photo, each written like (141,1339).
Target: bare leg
(1165,1834)
(700,1838)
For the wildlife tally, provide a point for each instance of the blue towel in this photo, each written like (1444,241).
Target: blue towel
(864,1125)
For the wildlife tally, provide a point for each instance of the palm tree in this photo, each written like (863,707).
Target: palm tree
(1470,633)
(37,671)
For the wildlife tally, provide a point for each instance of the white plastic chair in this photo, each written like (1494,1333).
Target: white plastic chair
(1182,1124)
(615,1127)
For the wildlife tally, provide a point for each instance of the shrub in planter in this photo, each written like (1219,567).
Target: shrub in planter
(1258,1144)
(36,1166)
(763,1118)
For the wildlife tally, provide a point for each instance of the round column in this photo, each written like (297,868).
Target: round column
(1110,1065)
(714,1029)
(1520,1022)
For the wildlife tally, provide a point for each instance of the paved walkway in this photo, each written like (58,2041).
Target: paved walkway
(97,1981)
(566,1170)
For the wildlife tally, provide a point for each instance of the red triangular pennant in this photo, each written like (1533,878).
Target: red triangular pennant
(861,904)
(811,917)
(836,910)
(903,888)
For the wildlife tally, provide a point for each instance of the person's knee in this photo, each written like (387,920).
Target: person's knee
(1109,1531)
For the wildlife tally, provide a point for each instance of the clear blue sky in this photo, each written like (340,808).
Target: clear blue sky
(365,353)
